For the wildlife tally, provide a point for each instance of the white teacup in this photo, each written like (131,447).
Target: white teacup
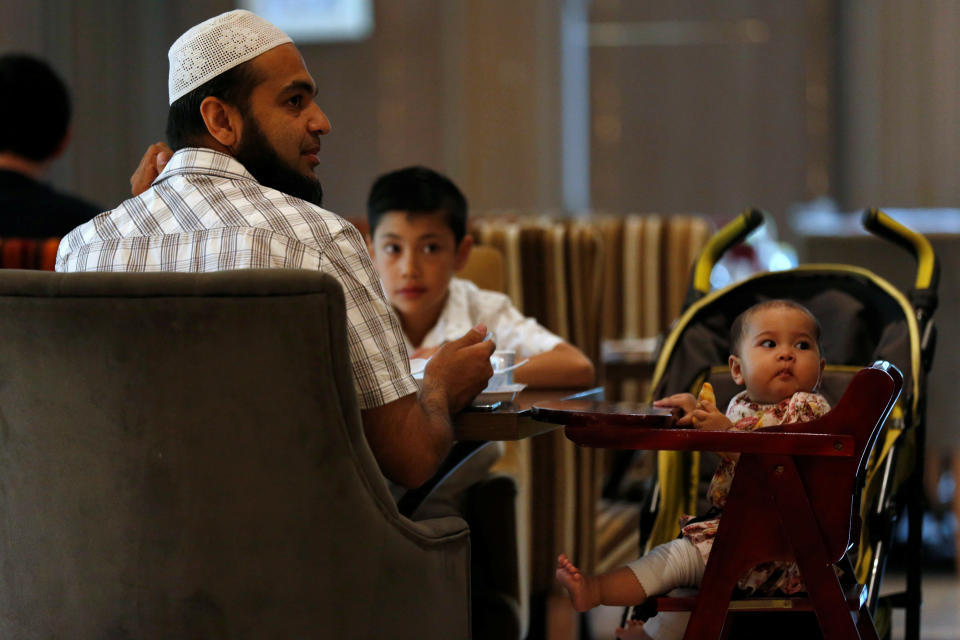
(501,359)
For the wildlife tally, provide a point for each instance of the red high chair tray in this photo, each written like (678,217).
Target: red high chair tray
(611,414)
(608,425)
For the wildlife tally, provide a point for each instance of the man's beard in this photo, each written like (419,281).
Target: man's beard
(259,157)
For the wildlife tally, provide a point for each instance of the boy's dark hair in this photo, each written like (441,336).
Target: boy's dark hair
(740,323)
(418,190)
(35,109)
(185,125)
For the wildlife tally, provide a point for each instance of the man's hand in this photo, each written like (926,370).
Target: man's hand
(461,369)
(151,164)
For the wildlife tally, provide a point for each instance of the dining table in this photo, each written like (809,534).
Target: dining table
(477,427)
(513,420)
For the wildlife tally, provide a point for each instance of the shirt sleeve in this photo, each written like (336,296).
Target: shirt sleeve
(805,407)
(381,369)
(511,329)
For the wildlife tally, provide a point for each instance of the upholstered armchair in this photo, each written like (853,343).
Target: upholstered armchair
(182,456)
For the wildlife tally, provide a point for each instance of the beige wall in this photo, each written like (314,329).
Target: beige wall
(699,107)
(901,111)
(469,88)
(475,89)
(112,54)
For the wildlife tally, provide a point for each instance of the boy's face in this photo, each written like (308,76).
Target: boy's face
(416,256)
(778,355)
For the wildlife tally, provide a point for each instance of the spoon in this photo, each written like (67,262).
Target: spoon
(511,367)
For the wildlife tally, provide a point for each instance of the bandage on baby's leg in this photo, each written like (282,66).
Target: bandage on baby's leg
(677,563)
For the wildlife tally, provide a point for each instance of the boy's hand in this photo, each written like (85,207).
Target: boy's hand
(460,368)
(707,417)
(683,401)
(151,164)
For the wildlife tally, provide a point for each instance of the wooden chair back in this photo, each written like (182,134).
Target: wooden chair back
(484,268)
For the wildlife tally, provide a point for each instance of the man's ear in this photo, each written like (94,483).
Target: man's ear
(463,252)
(735,372)
(224,122)
(370,249)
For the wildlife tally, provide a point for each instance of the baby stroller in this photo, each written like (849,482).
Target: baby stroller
(864,319)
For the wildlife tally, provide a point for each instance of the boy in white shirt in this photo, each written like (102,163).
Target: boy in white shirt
(418,241)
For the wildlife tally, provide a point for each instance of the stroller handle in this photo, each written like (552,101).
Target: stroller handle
(928,268)
(728,236)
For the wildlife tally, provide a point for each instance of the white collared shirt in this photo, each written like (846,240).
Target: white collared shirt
(205,212)
(467,305)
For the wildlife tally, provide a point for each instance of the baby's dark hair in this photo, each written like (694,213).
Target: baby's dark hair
(417,191)
(739,325)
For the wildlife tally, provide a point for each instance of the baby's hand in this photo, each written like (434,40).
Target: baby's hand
(707,417)
(683,401)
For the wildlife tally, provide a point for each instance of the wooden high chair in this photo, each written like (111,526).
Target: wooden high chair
(794,497)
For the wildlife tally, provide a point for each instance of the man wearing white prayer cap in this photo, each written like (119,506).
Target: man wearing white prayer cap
(240,192)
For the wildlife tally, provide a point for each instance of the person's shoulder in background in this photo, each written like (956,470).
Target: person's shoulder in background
(32,209)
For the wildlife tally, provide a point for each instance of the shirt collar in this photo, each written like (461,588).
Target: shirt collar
(454,320)
(200,160)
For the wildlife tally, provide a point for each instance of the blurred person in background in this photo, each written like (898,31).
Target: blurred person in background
(34,131)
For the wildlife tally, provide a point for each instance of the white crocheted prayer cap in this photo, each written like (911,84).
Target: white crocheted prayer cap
(217,45)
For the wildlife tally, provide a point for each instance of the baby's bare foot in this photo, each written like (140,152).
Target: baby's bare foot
(575,583)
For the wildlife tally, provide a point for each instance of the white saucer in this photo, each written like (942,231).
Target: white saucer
(505,393)
(417,367)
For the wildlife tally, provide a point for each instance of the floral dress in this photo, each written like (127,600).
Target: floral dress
(747,415)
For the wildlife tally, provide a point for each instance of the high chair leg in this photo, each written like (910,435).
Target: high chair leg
(798,518)
(709,618)
(868,631)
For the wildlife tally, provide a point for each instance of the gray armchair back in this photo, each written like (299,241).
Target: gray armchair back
(182,456)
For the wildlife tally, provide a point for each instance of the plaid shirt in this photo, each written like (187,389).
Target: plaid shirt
(205,212)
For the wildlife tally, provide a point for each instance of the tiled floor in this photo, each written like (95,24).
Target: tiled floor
(939,620)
